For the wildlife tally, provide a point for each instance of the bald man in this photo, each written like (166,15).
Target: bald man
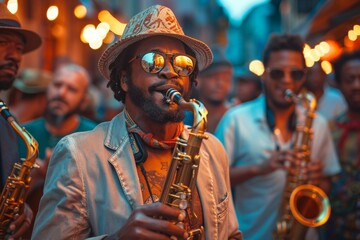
(66,96)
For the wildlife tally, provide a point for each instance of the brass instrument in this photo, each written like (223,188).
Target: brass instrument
(14,192)
(303,205)
(181,178)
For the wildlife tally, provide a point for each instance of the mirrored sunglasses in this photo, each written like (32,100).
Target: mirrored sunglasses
(154,61)
(278,74)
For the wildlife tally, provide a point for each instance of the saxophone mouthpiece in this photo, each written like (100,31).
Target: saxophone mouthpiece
(4,110)
(289,95)
(172,95)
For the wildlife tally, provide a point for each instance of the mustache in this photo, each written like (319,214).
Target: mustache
(11,64)
(60,99)
(164,85)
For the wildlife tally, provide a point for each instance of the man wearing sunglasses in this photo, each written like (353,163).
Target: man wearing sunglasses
(259,138)
(106,183)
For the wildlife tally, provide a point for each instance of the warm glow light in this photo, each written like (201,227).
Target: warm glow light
(352,35)
(58,31)
(319,50)
(348,43)
(334,50)
(82,38)
(256,67)
(115,26)
(306,50)
(110,37)
(356,29)
(326,66)
(12,6)
(314,55)
(309,62)
(88,33)
(52,13)
(95,42)
(80,11)
(102,29)
(325,47)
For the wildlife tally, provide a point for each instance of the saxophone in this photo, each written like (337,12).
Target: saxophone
(14,192)
(303,205)
(181,178)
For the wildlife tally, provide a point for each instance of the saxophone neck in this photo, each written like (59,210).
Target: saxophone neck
(29,140)
(304,98)
(200,116)
(198,109)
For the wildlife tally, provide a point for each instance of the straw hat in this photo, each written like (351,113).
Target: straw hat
(156,20)
(9,21)
(33,81)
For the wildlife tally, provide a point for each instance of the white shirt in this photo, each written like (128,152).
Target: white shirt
(331,104)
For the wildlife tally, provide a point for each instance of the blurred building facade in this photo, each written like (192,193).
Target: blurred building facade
(202,19)
(62,36)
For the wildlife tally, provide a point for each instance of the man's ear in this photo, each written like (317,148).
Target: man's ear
(124,81)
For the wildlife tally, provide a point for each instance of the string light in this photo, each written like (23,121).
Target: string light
(12,6)
(80,11)
(52,13)
(87,33)
(257,67)
(326,66)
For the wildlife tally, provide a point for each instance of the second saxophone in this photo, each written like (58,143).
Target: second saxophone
(303,205)
(14,192)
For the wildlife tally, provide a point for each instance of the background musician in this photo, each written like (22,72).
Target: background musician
(65,97)
(259,135)
(93,186)
(344,222)
(14,42)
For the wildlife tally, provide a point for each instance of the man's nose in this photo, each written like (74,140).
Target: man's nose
(168,71)
(287,77)
(62,90)
(12,52)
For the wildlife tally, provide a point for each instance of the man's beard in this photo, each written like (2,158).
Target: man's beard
(57,119)
(278,103)
(6,84)
(151,110)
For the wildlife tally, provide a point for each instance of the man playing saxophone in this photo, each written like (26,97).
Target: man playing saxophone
(106,183)
(14,42)
(259,139)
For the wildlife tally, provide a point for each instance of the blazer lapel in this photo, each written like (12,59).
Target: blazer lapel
(123,160)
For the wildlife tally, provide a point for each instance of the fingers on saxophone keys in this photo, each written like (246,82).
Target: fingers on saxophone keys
(283,159)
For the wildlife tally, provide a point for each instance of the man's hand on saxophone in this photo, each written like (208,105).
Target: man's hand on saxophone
(148,222)
(277,160)
(22,222)
(312,172)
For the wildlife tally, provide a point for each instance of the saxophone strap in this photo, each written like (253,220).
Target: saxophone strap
(148,137)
